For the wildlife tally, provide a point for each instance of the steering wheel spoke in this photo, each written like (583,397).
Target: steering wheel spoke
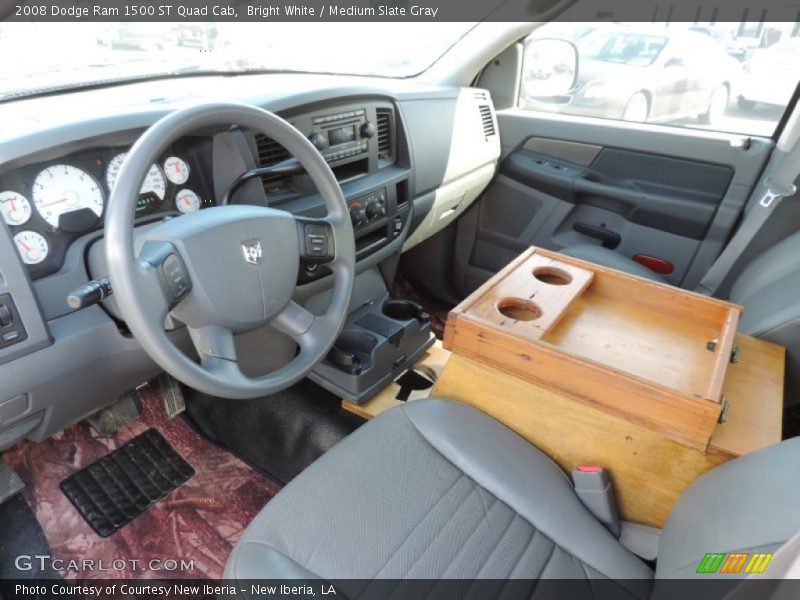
(216,348)
(150,293)
(166,268)
(316,240)
(296,322)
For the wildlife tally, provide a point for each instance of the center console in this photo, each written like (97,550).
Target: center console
(379,342)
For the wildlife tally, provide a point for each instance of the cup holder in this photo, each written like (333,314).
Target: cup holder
(416,379)
(552,275)
(519,309)
(405,310)
(351,351)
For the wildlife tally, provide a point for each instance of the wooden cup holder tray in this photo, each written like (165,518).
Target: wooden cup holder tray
(650,352)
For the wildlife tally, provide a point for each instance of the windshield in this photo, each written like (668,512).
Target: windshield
(48,55)
(625,48)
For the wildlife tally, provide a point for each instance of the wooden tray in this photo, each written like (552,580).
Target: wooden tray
(650,352)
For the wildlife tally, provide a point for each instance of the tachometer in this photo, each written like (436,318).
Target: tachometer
(154,182)
(32,247)
(187,201)
(177,170)
(15,208)
(62,189)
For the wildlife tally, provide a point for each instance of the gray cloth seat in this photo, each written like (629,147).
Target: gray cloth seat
(436,489)
(768,288)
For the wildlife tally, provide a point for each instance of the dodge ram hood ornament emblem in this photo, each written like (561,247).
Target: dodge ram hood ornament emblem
(251,249)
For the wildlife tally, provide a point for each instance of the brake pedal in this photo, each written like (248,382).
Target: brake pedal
(110,420)
(174,403)
(10,482)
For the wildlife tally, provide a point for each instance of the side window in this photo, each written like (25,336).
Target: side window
(713,76)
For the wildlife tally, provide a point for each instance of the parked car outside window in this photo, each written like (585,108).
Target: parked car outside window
(672,74)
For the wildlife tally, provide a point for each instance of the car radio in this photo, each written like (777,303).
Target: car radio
(342,135)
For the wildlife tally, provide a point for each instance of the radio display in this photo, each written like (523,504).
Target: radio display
(342,135)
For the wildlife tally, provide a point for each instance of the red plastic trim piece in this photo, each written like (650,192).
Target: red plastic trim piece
(655,264)
(589,468)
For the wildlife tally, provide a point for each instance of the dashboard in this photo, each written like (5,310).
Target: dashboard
(409,157)
(48,205)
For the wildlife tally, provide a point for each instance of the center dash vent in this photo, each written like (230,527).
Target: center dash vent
(486,118)
(384,118)
(270,153)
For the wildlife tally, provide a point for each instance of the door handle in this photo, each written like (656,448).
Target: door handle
(610,239)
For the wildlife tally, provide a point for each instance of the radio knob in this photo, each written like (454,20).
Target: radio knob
(358,217)
(320,141)
(368,130)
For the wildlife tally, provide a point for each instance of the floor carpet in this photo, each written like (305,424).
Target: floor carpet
(198,523)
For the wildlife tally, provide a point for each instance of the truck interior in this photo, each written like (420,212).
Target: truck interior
(397,319)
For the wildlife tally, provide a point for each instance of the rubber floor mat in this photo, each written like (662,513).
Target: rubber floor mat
(114,490)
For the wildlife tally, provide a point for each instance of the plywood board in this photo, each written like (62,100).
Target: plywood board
(648,470)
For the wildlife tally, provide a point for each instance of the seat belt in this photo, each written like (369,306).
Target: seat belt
(777,186)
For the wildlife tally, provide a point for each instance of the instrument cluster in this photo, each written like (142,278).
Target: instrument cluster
(48,205)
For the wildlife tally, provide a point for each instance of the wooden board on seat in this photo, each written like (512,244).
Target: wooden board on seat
(649,470)
(653,353)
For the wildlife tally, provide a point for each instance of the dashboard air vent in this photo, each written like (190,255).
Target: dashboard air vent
(384,118)
(270,153)
(486,118)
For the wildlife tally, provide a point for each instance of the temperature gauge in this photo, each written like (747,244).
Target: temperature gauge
(32,247)
(187,201)
(15,208)
(176,170)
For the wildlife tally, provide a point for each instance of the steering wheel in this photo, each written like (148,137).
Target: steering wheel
(228,269)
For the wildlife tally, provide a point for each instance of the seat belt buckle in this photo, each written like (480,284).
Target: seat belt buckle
(775,191)
(593,488)
(768,198)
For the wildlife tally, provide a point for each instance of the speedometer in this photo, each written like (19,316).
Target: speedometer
(62,189)
(154,182)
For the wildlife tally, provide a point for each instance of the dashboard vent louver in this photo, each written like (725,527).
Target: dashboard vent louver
(486,118)
(270,153)
(384,118)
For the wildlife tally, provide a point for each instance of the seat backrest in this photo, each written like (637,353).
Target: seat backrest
(769,290)
(748,505)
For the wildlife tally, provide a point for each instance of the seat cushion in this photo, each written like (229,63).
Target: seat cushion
(612,260)
(433,489)
(746,505)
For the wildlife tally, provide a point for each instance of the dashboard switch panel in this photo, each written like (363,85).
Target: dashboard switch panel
(11,329)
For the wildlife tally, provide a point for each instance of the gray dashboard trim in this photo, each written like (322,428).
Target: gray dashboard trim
(14,281)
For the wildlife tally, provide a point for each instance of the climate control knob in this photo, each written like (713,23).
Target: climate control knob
(358,216)
(368,130)
(375,210)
